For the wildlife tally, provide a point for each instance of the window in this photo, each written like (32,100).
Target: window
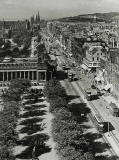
(93,59)
(97,58)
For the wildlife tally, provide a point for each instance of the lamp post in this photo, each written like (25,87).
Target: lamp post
(108,122)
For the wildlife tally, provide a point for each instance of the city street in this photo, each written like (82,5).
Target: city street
(99,106)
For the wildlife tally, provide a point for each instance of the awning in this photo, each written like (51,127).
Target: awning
(108,86)
(84,67)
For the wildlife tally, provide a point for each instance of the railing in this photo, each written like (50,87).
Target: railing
(91,64)
(18,65)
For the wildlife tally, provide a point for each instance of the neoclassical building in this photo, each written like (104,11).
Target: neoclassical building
(24,68)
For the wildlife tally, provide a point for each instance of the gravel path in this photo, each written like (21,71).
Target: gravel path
(48,127)
(47,124)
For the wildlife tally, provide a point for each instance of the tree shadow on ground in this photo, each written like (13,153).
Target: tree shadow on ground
(31,140)
(39,150)
(94,97)
(33,101)
(33,113)
(38,100)
(85,126)
(72,97)
(31,129)
(31,121)
(106,158)
(33,96)
(79,111)
(34,107)
(28,102)
(108,127)
(61,75)
(99,147)
(96,146)
(91,137)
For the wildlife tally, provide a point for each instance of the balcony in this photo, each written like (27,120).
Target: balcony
(91,64)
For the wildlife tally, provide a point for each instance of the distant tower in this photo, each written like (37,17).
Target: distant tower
(32,20)
(28,27)
(36,20)
(3,28)
(38,17)
(94,18)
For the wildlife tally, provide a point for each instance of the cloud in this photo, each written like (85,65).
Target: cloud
(54,8)
(8,2)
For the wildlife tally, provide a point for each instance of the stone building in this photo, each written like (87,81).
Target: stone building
(24,68)
(111,74)
(94,53)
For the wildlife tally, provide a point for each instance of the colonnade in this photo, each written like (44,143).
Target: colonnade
(30,75)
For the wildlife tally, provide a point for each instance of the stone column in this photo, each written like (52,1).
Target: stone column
(24,74)
(15,75)
(32,75)
(51,75)
(7,76)
(45,76)
(28,75)
(11,75)
(20,74)
(37,76)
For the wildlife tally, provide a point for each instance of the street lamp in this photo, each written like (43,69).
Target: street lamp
(108,122)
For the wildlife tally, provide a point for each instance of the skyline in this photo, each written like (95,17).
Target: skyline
(20,9)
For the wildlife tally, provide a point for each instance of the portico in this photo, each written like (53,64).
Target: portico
(32,75)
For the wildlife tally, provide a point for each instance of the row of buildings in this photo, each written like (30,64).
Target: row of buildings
(94,46)
(38,69)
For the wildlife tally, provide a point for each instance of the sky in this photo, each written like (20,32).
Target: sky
(22,9)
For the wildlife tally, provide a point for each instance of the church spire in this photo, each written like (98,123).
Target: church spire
(36,20)
(4,24)
(38,17)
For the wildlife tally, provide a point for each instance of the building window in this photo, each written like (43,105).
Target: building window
(94,64)
(97,58)
(93,59)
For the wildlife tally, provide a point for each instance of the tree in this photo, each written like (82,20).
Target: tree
(67,133)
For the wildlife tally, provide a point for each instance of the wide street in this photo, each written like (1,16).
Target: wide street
(98,107)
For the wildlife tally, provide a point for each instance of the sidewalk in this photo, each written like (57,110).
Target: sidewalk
(111,99)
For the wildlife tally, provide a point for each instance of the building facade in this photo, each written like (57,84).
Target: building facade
(23,68)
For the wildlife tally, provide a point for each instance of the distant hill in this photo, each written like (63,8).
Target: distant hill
(98,17)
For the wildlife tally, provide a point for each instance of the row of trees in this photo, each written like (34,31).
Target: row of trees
(67,133)
(8,117)
(23,39)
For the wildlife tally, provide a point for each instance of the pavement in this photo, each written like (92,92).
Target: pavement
(101,106)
